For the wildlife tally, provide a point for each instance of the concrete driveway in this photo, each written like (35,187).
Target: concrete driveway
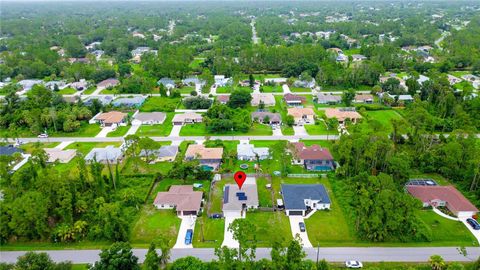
(188,222)
(277,131)
(175,131)
(475,233)
(294,221)
(103,133)
(228,240)
(300,130)
(133,129)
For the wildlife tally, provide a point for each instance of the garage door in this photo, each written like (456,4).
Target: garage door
(295,213)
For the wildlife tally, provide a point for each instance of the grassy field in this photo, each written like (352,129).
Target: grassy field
(85,147)
(119,131)
(208,232)
(319,129)
(299,89)
(380,120)
(90,90)
(157,130)
(160,104)
(86,130)
(186,89)
(196,63)
(271,227)
(200,130)
(155,224)
(67,91)
(29,147)
(141,167)
(272,89)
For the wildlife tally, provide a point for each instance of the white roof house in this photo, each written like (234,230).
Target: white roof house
(28,84)
(267,99)
(151,118)
(221,80)
(62,156)
(109,154)
(246,151)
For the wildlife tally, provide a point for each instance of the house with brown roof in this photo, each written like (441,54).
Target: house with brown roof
(364,98)
(110,119)
(302,116)
(267,118)
(187,118)
(223,99)
(183,199)
(112,82)
(443,196)
(294,100)
(312,158)
(342,114)
(210,158)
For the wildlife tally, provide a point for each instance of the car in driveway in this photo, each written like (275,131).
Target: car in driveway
(302,226)
(473,223)
(353,264)
(188,237)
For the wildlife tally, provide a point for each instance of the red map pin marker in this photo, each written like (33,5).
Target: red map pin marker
(240,178)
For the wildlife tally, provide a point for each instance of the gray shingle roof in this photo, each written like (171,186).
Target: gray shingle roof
(9,150)
(294,195)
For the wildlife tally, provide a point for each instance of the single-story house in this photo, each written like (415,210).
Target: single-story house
(102,99)
(167,82)
(109,119)
(139,51)
(267,99)
(358,57)
(273,118)
(27,85)
(323,98)
(276,80)
(364,98)
(342,114)
(294,100)
(304,83)
(187,118)
(302,115)
(246,151)
(136,101)
(210,158)
(220,80)
(447,196)
(148,118)
(63,156)
(401,98)
(9,150)
(107,155)
(112,82)
(51,85)
(183,199)
(342,58)
(312,158)
(453,80)
(223,99)
(164,153)
(82,84)
(235,199)
(300,200)
(193,81)
(470,78)
(335,50)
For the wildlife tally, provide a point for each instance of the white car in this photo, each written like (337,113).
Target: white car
(353,264)
(43,135)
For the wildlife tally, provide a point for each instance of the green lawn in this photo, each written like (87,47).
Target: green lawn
(85,130)
(271,227)
(29,147)
(107,91)
(208,232)
(272,89)
(157,130)
(85,147)
(196,63)
(319,129)
(380,120)
(287,131)
(155,224)
(90,90)
(67,91)
(264,193)
(138,166)
(119,131)
(224,89)
(299,89)
(160,104)
(186,89)
(200,130)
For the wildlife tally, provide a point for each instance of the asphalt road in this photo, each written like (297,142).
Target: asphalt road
(182,138)
(340,254)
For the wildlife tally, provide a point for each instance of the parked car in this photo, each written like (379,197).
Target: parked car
(188,237)
(473,223)
(43,135)
(302,226)
(353,264)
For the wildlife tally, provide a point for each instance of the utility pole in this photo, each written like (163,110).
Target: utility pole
(318,252)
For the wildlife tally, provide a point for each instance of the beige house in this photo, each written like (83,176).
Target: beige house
(112,118)
(342,114)
(62,156)
(183,199)
(267,99)
(302,115)
(187,118)
(210,158)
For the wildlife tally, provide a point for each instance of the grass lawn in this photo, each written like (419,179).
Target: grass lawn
(155,224)
(287,131)
(29,147)
(299,89)
(271,227)
(381,120)
(272,89)
(160,104)
(200,130)
(85,130)
(196,63)
(85,147)
(67,91)
(224,89)
(319,129)
(157,130)
(186,89)
(460,73)
(112,91)
(90,90)
(138,166)
(208,232)
(79,266)
(264,194)
(119,131)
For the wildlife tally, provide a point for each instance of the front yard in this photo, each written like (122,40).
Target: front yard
(119,131)
(271,227)
(208,232)
(161,130)
(320,129)
(200,130)
(154,225)
(85,130)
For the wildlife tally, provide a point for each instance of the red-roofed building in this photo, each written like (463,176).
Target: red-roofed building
(313,158)
(223,99)
(447,196)
(294,100)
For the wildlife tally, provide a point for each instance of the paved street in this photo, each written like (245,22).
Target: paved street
(339,254)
